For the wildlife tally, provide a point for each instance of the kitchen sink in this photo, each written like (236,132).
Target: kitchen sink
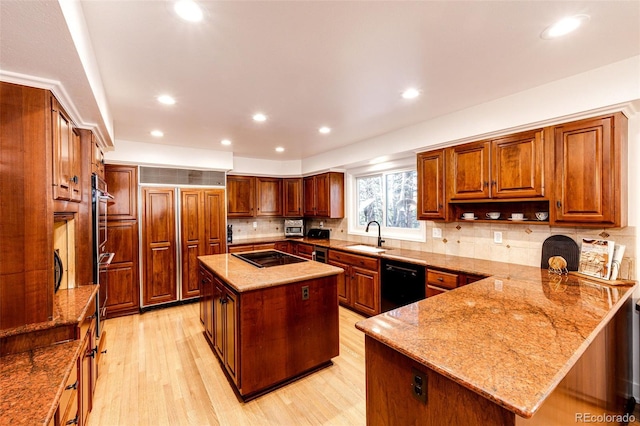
(368,249)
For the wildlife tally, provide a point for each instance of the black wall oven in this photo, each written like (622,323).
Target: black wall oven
(101,258)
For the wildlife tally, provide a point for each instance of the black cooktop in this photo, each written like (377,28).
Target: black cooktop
(269,258)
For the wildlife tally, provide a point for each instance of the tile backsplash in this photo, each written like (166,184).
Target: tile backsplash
(521,243)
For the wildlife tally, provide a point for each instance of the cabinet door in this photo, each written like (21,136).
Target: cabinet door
(366,290)
(87,376)
(323,195)
(75,166)
(62,145)
(585,173)
(231,334)
(468,171)
(192,239)
(159,246)
(269,196)
(218,317)
(122,287)
(517,166)
(240,196)
(284,246)
(206,301)
(431,185)
(293,197)
(122,184)
(344,281)
(215,236)
(309,189)
(305,250)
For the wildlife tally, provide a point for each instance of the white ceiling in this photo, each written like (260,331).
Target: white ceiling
(305,64)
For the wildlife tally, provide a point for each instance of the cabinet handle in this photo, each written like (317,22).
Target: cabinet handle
(73,386)
(104,352)
(493,183)
(486,184)
(440,279)
(558,204)
(73,421)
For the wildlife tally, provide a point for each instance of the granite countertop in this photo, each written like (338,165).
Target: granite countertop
(69,307)
(32,382)
(243,277)
(510,339)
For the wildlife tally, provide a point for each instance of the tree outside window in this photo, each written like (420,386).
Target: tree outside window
(389,198)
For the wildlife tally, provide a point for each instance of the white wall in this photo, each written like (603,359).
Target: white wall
(258,167)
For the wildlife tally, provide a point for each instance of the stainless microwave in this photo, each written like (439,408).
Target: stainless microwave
(294,228)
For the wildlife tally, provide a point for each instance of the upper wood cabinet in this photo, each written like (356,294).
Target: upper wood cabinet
(97,158)
(293,197)
(590,171)
(509,167)
(240,196)
(324,195)
(122,184)
(268,196)
(67,156)
(431,185)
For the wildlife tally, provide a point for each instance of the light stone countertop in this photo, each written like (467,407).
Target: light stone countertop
(243,277)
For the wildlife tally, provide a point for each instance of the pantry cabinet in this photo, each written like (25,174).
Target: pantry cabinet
(359,286)
(431,185)
(324,195)
(590,171)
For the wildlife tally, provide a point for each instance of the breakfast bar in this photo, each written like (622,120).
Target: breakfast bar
(539,349)
(282,314)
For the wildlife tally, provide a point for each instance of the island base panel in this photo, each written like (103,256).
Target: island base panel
(391,400)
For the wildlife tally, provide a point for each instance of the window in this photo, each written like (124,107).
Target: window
(391,199)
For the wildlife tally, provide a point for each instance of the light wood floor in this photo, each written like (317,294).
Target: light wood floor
(159,370)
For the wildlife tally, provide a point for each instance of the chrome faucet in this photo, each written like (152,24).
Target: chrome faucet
(380,240)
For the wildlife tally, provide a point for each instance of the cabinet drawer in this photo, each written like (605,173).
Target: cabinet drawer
(69,394)
(354,259)
(264,246)
(442,279)
(434,291)
(305,249)
(239,248)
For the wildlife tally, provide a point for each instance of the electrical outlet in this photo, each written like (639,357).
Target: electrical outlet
(305,292)
(497,237)
(321,224)
(437,233)
(255,224)
(419,385)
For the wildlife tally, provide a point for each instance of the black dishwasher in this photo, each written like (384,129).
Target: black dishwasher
(402,283)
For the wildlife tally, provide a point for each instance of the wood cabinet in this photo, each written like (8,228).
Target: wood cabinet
(359,286)
(158,245)
(239,248)
(67,412)
(97,158)
(324,195)
(250,196)
(225,327)
(284,246)
(120,282)
(67,155)
(509,167)
(202,218)
(439,281)
(293,197)
(590,172)
(240,196)
(26,240)
(268,196)
(304,250)
(206,300)
(431,185)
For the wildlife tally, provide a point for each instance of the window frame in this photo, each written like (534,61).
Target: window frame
(353,228)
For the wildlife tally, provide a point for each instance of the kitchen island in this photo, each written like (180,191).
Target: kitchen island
(269,326)
(540,350)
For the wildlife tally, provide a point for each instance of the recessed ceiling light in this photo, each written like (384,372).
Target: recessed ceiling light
(188,10)
(225,142)
(259,117)
(166,99)
(411,93)
(279,149)
(157,133)
(324,130)
(564,26)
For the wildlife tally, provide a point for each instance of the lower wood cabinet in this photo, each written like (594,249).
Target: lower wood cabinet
(225,327)
(304,250)
(119,281)
(359,286)
(239,248)
(438,281)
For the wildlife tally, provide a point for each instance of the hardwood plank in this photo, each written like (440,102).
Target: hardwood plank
(160,370)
